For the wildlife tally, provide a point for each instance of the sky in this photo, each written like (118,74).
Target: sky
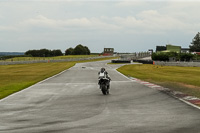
(125,25)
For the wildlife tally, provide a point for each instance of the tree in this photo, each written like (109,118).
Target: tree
(57,52)
(33,53)
(69,51)
(78,50)
(44,53)
(81,50)
(87,50)
(195,47)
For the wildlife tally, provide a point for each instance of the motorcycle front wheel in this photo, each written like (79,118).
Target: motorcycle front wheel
(104,90)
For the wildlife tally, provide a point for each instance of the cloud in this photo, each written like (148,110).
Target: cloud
(66,24)
(8,28)
(184,12)
(133,16)
(152,19)
(148,21)
(129,3)
(114,22)
(39,21)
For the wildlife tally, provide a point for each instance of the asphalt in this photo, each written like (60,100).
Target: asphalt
(71,102)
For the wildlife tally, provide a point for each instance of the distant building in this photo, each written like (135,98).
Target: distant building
(160,48)
(185,50)
(169,48)
(108,51)
(150,51)
(173,48)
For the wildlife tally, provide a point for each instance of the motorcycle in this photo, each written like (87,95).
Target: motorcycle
(104,85)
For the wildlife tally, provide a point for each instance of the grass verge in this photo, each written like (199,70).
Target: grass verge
(50,58)
(14,78)
(184,79)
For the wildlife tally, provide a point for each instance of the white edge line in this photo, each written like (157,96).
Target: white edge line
(119,72)
(193,105)
(51,77)
(123,75)
(181,99)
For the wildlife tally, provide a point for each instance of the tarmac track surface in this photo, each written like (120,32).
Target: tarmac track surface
(71,102)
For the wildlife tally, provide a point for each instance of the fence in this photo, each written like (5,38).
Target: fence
(184,64)
(46,61)
(134,56)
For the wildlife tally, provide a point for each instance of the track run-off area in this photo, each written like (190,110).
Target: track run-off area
(72,102)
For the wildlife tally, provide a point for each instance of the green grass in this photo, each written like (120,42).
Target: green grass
(49,58)
(184,79)
(14,78)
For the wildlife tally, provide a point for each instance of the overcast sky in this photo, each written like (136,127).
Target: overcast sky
(126,26)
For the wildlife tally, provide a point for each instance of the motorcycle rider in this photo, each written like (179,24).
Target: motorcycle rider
(104,73)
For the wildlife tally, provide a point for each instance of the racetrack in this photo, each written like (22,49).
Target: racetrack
(71,102)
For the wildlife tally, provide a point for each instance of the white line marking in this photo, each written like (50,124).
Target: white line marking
(123,75)
(193,105)
(149,84)
(144,82)
(121,81)
(173,93)
(190,98)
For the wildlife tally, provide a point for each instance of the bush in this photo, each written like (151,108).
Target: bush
(160,56)
(165,56)
(185,56)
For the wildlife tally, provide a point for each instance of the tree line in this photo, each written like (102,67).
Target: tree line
(78,50)
(44,53)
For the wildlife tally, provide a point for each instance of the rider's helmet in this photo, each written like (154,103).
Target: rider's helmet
(102,69)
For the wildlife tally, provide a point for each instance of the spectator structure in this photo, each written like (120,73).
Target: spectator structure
(108,51)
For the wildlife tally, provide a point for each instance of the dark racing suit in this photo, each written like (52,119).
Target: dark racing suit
(105,75)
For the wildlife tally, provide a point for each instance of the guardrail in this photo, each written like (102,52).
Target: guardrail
(144,61)
(121,61)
